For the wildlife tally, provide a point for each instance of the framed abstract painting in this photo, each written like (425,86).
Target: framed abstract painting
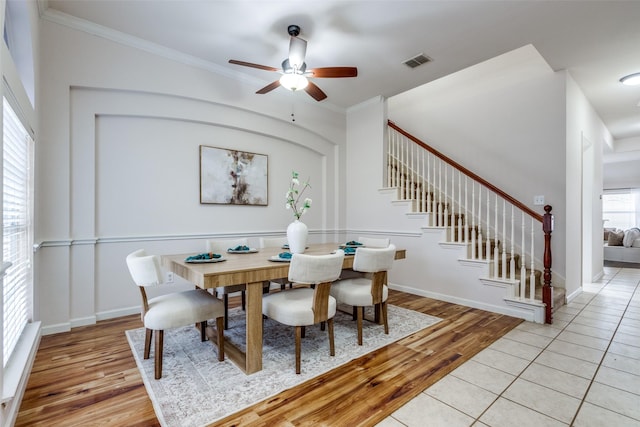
(233,177)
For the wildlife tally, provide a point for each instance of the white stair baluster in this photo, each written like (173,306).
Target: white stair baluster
(389,146)
(512,263)
(488,237)
(453,211)
(496,249)
(424,180)
(440,207)
(396,158)
(503,238)
(451,225)
(532,286)
(411,172)
(446,198)
(466,210)
(400,167)
(474,242)
(394,179)
(429,191)
(480,226)
(523,268)
(415,174)
(405,168)
(460,212)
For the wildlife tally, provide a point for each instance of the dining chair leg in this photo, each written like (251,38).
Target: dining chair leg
(225,300)
(299,330)
(360,315)
(203,330)
(303,332)
(147,342)
(332,347)
(220,331)
(384,317)
(354,313)
(158,355)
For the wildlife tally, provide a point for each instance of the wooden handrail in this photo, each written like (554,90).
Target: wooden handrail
(467,172)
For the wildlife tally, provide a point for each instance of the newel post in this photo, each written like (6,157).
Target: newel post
(547,289)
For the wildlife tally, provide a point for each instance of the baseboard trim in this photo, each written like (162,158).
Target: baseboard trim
(56,329)
(83,321)
(573,295)
(507,311)
(112,314)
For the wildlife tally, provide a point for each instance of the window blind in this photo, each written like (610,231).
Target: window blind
(621,208)
(17,228)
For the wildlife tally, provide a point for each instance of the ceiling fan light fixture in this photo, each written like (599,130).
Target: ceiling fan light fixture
(631,79)
(293,81)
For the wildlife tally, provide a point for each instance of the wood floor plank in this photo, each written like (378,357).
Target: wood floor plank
(89,377)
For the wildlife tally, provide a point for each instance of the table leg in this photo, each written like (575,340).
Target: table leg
(254,328)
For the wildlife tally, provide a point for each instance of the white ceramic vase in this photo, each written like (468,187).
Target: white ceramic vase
(297,237)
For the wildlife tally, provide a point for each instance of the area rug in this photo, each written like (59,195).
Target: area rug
(196,390)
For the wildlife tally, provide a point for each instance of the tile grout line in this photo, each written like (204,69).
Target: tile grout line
(573,420)
(476,420)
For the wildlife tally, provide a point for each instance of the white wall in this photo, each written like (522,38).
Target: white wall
(586,137)
(118,167)
(621,174)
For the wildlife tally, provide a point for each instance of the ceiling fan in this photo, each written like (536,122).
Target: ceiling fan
(294,70)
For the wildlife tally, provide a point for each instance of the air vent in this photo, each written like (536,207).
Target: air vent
(417,60)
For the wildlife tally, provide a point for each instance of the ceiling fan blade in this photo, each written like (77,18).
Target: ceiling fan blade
(315,92)
(297,52)
(249,64)
(269,87)
(334,72)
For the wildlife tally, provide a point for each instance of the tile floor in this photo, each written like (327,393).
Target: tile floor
(584,370)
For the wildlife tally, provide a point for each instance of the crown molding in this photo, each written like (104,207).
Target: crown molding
(128,40)
(92,28)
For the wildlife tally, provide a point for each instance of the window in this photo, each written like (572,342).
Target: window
(17,229)
(621,208)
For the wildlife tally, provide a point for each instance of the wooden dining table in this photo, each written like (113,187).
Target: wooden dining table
(251,269)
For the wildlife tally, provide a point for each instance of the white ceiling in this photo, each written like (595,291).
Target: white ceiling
(597,41)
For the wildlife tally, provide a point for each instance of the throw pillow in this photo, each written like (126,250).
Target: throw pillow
(615,238)
(629,236)
(607,230)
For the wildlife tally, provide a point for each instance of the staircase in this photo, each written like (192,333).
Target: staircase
(492,230)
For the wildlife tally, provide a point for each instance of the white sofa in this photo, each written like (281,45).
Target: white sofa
(628,252)
(622,254)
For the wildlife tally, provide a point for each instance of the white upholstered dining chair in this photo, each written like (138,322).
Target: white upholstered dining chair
(301,307)
(276,242)
(368,242)
(361,292)
(171,310)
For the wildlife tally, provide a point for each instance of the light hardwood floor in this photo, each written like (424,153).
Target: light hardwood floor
(88,377)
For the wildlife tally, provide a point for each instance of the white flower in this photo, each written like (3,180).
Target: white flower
(293,196)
